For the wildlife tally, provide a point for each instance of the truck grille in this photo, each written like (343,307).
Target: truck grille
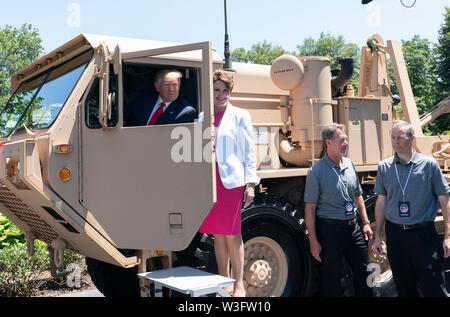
(26,214)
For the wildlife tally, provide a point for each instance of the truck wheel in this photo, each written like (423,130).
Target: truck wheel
(276,262)
(113,281)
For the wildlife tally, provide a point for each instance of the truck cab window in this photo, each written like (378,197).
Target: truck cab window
(92,102)
(140,95)
(39,100)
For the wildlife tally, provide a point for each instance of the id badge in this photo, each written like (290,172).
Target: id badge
(349,208)
(404,209)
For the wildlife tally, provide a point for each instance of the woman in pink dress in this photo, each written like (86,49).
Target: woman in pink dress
(236,180)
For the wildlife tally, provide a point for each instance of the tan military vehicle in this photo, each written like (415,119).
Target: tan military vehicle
(131,199)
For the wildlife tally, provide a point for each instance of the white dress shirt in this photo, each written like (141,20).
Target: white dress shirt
(155,108)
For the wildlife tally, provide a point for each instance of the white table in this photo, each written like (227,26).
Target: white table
(188,281)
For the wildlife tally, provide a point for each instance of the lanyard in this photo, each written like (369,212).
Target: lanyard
(407,179)
(343,185)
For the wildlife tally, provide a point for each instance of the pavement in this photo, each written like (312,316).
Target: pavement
(87,293)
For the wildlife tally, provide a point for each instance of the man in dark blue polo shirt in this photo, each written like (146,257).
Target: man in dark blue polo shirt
(332,201)
(410,189)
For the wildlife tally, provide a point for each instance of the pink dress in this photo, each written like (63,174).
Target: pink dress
(225,217)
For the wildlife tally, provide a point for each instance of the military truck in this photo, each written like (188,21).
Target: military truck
(131,199)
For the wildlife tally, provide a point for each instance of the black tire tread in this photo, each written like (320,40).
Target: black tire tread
(113,281)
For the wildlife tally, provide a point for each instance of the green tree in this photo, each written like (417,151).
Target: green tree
(419,59)
(420,63)
(260,53)
(428,68)
(442,69)
(18,48)
(442,50)
(332,47)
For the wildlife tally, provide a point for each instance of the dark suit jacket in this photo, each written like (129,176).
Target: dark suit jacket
(138,112)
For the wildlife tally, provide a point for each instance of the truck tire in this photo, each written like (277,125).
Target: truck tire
(113,281)
(277,261)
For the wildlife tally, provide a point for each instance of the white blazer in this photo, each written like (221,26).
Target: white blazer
(235,148)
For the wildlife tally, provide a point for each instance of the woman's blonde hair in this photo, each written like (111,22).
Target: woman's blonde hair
(224,77)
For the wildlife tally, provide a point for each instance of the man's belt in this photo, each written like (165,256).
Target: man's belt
(414,226)
(337,221)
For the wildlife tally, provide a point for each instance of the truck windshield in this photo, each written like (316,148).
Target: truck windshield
(38,108)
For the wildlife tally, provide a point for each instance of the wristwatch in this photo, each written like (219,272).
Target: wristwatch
(365,223)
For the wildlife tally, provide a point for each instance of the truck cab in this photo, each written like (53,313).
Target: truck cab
(77,176)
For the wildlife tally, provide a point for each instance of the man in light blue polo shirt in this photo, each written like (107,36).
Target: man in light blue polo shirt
(333,197)
(410,189)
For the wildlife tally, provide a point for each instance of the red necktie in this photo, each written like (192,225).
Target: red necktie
(157,114)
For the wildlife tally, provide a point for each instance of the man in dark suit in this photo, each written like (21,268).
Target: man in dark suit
(166,107)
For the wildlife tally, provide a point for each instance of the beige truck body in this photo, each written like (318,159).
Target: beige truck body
(149,188)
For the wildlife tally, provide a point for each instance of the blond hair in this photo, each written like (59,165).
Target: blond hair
(224,77)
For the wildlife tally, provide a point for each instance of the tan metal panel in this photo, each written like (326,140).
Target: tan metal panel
(155,186)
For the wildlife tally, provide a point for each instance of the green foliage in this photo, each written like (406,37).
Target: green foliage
(420,63)
(10,234)
(18,48)
(18,269)
(22,275)
(329,46)
(443,56)
(16,106)
(442,64)
(428,68)
(419,59)
(260,53)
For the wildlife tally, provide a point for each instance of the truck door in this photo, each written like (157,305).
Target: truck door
(150,187)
